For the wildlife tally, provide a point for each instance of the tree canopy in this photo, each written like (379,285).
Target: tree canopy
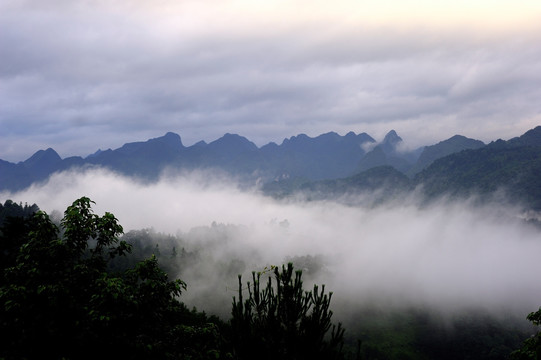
(60,299)
(531,348)
(283,321)
(65,296)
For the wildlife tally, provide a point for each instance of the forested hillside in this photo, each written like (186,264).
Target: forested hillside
(88,287)
(64,294)
(509,169)
(503,170)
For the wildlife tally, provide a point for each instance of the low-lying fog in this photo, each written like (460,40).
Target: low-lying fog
(443,256)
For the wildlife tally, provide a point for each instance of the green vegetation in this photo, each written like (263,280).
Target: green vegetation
(65,295)
(444,148)
(283,321)
(11,211)
(531,348)
(496,171)
(78,290)
(380,183)
(419,333)
(61,301)
(483,172)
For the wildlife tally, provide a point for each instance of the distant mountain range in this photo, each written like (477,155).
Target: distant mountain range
(506,171)
(458,165)
(326,156)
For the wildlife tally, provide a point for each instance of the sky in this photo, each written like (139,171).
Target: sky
(89,74)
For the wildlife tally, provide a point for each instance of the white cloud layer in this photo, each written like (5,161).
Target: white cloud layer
(447,256)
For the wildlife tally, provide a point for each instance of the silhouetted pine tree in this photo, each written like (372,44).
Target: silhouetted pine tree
(282,321)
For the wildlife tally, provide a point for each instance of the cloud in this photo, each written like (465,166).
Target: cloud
(451,255)
(126,71)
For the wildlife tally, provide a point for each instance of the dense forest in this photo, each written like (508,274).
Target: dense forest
(80,288)
(65,295)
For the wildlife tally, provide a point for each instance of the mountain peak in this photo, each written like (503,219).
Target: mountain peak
(365,138)
(332,134)
(390,142)
(170,138)
(392,138)
(233,141)
(529,138)
(228,137)
(43,156)
(42,163)
(450,146)
(297,138)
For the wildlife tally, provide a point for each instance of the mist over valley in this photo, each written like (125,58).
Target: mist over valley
(383,241)
(451,254)
(203,180)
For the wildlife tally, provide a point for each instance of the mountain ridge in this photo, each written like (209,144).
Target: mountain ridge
(296,156)
(326,156)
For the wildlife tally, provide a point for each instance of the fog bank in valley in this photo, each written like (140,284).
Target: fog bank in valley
(449,255)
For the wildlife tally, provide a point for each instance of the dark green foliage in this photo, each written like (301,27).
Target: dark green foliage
(282,321)
(380,183)
(60,300)
(498,170)
(507,170)
(531,348)
(311,265)
(13,228)
(385,178)
(444,148)
(483,172)
(167,249)
(70,290)
(511,167)
(285,187)
(531,137)
(470,336)
(385,332)
(11,209)
(419,333)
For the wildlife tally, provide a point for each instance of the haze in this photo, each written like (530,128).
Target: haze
(450,255)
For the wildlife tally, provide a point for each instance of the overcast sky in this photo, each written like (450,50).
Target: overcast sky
(83,75)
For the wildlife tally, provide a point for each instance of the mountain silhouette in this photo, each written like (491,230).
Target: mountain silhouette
(458,165)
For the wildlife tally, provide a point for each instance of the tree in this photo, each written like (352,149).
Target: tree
(61,300)
(11,209)
(282,321)
(63,296)
(13,222)
(531,348)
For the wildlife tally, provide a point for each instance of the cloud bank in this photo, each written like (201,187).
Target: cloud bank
(446,256)
(88,75)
